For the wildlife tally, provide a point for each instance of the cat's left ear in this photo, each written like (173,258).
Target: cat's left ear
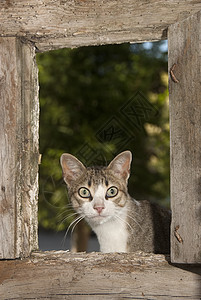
(121,164)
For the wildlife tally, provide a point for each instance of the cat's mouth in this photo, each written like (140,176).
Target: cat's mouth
(98,217)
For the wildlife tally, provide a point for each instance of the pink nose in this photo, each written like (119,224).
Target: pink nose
(99,209)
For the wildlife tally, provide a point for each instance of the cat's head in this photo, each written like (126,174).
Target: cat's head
(97,193)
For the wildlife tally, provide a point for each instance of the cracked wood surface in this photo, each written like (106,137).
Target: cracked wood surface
(64,275)
(53,24)
(19,116)
(184,43)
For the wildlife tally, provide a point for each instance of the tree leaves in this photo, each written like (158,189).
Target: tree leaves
(81,92)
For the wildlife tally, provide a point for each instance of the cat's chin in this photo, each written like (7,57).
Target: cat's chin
(98,220)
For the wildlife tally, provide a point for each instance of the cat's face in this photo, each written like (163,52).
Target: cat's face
(98,194)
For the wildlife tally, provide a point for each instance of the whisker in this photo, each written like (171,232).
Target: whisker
(66,212)
(67,217)
(71,224)
(61,213)
(73,214)
(123,221)
(67,206)
(135,221)
(76,224)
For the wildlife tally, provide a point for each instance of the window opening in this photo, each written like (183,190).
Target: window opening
(86,97)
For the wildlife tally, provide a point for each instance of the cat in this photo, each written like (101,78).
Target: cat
(122,224)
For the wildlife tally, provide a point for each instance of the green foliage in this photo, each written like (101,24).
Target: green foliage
(81,90)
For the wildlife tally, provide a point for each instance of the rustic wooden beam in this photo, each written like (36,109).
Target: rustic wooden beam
(68,23)
(62,275)
(18,148)
(185,125)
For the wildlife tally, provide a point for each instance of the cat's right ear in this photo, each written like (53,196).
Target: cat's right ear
(72,168)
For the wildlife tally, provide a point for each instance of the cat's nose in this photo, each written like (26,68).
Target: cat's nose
(99,208)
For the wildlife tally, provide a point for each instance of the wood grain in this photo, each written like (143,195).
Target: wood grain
(18,149)
(185,125)
(62,275)
(53,24)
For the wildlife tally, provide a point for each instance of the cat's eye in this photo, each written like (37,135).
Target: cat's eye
(112,192)
(84,192)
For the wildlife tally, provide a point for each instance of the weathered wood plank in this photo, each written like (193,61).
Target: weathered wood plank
(185,124)
(52,24)
(18,149)
(62,275)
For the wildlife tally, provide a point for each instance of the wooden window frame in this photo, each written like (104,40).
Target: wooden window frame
(27,28)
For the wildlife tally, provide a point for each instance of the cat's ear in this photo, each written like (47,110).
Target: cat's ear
(72,168)
(121,164)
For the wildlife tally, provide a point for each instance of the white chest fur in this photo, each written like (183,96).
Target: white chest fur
(113,234)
